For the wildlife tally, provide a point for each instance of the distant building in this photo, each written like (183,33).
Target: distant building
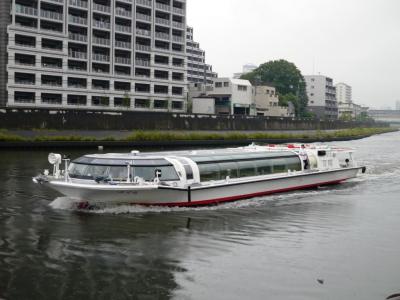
(344,93)
(247,68)
(397,105)
(322,97)
(198,70)
(351,110)
(267,102)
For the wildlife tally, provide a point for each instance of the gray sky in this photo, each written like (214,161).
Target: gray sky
(352,41)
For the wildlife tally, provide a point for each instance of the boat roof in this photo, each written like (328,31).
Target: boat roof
(191,153)
(198,155)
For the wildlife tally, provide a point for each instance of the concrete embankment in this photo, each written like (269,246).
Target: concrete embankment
(129,120)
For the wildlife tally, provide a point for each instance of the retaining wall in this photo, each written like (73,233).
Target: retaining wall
(96,120)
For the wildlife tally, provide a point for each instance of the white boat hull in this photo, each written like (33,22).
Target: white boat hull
(153,195)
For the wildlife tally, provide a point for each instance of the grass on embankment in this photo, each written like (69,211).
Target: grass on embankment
(149,136)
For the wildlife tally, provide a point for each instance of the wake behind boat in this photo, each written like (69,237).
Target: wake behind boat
(193,178)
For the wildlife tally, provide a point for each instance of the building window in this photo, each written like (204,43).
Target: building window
(218,84)
(226,84)
(242,88)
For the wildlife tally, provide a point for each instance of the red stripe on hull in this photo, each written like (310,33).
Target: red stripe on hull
(240,197)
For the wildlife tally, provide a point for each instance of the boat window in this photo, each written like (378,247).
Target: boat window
(247,168)
(209,172)
(279,166)
(94,171)
(234,157)
(118,173)
(293,164)
(264,167)
(229,169)
(148,173)
(77,170)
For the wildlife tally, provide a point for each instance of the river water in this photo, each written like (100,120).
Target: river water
(341,242)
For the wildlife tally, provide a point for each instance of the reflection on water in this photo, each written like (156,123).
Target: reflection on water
(272,247)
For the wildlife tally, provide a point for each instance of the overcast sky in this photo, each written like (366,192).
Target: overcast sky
(352,41)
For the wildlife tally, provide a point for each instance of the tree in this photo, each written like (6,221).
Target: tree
(126,101)
(288,81)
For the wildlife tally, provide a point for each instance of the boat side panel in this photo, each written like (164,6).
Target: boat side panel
(205,196)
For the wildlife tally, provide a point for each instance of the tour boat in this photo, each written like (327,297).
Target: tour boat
(194,178)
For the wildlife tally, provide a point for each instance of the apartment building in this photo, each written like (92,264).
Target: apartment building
(322,97)
(96,54)
(344,93)
(198,70)
(232,96)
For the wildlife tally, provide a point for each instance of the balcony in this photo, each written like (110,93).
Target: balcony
(122,60)
(142,62)
(78,3)
(101,57)
(177,39)
(101,25)
(143,17)
(26,10)
(144,2)
(24,82)
(122,28)
(101,41)
(144,48)
(77,20)
(123,12)
(162,35)
(101,8)
(179,11)
(51,65)
(51,15)
(51,83)
(77,54)
(178,24)
(77,37)
(163,21)
(143,32)
(121,44)
(163,6)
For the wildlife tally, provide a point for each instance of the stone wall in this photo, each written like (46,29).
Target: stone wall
(90,120)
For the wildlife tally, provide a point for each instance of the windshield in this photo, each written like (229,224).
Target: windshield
(145,169)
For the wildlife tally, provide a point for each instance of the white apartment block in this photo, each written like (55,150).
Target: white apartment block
(232,96)
(322,96)
(198,70)
(343,93)
(97,54)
